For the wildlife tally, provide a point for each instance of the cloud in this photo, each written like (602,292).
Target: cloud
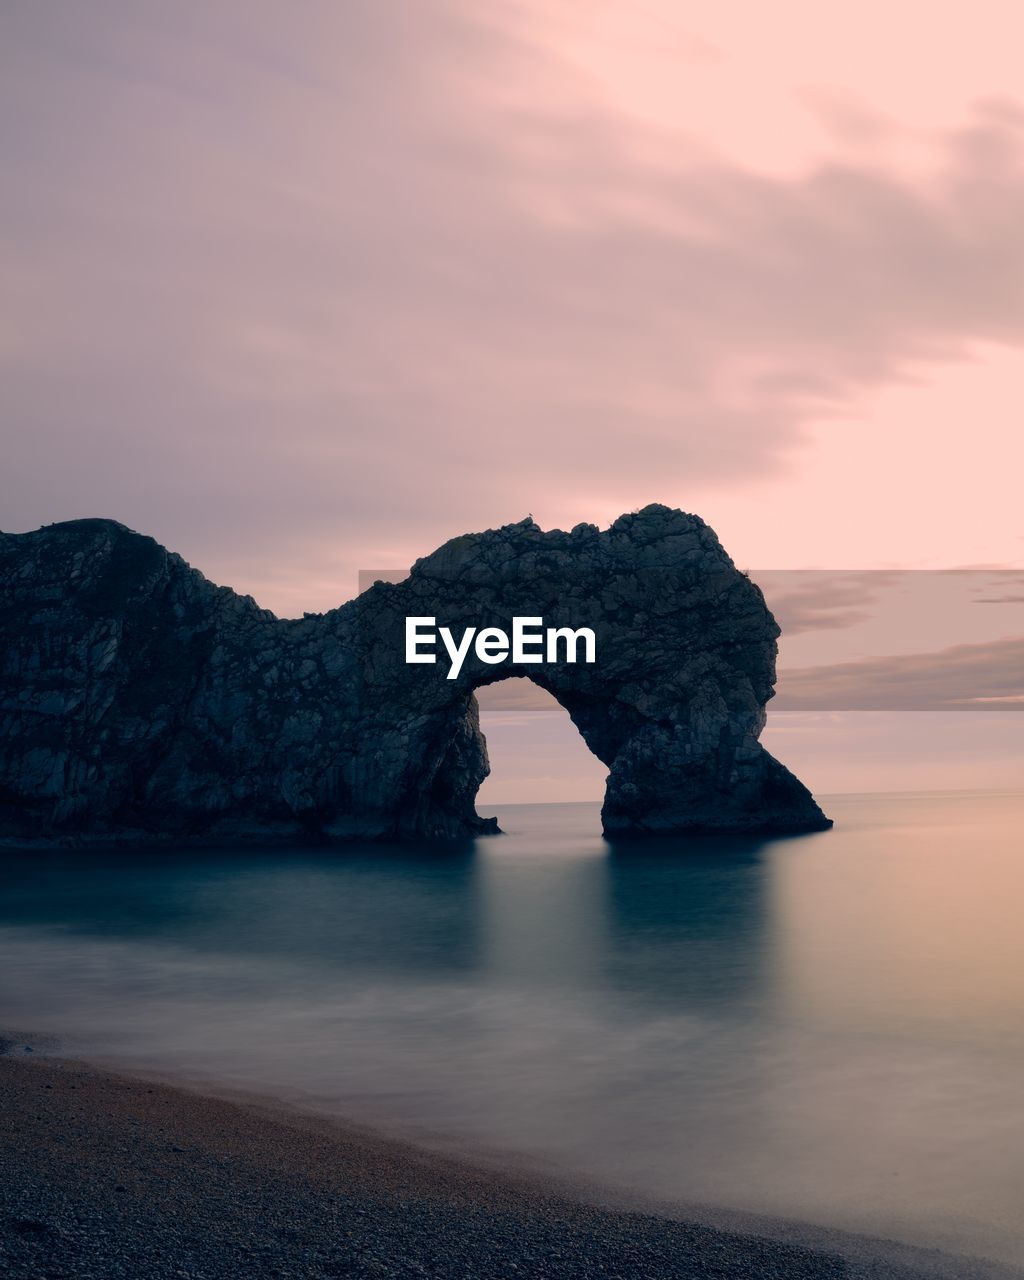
(986,676)
(323,293)
(820,600)
(1005,587)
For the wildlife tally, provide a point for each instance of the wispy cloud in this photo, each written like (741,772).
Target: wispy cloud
(817,600)
(321,292)
(965,676)
(1003,587)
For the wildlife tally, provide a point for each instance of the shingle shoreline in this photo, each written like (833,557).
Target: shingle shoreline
(105,1176)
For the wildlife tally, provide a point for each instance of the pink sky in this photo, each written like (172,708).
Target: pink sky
(304,289)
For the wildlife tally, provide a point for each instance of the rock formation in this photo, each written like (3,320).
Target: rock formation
(141,702)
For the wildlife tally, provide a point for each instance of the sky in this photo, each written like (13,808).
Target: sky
(304,288)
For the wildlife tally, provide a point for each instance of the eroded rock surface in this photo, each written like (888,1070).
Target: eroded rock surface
(139,701)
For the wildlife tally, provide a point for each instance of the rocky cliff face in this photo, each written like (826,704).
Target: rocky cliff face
(138,701)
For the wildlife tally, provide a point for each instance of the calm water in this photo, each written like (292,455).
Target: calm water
(829,1028)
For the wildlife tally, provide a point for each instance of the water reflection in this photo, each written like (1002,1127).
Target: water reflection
(375,908)
(687,922)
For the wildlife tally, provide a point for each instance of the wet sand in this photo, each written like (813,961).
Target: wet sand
(102,1175)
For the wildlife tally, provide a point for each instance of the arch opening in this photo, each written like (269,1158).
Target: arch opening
(536,754)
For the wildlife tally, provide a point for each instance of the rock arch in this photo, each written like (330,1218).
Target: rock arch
(146,703)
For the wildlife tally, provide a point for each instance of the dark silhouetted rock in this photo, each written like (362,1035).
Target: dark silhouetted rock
(140,701)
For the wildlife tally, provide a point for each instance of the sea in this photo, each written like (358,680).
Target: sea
(828,1028)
